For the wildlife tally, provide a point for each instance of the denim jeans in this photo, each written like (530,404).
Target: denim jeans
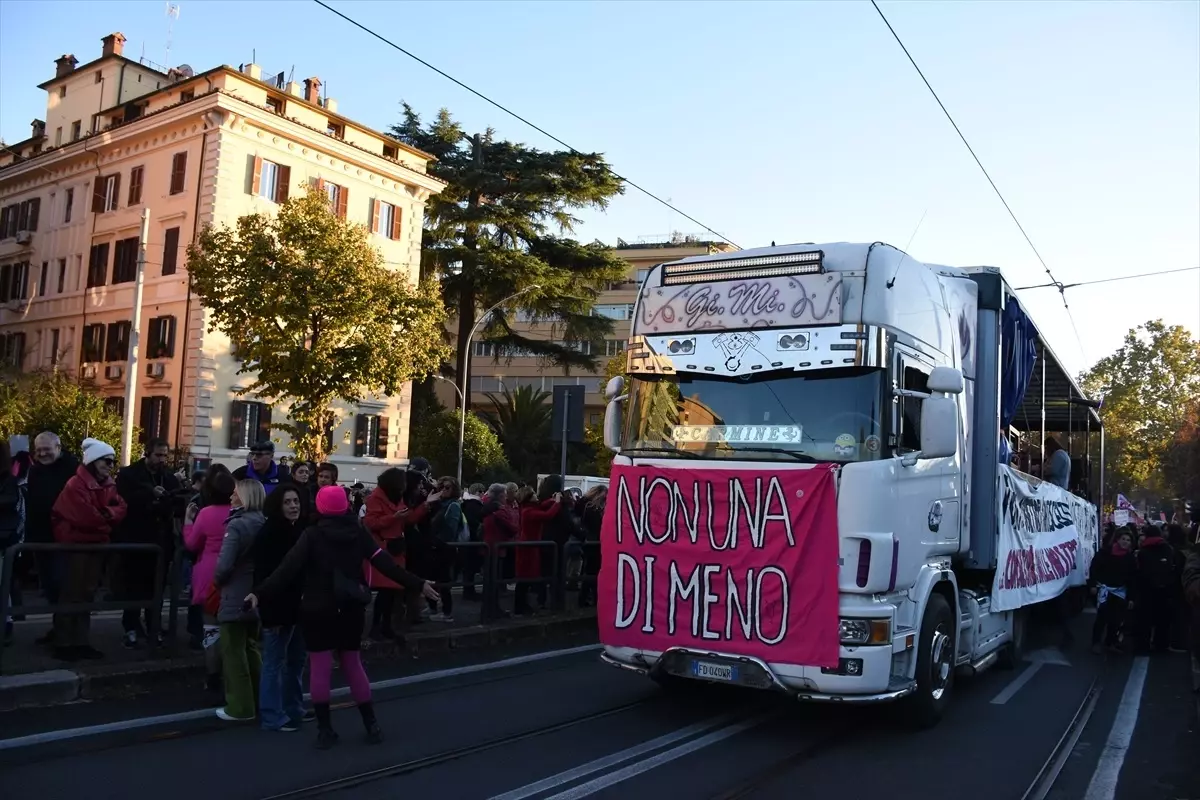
(281,690)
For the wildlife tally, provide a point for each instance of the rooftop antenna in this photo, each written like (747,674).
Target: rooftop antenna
(172,15)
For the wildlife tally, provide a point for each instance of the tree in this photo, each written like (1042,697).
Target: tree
(1182,461)
(314,314)
(1147,386)
(521,420)
(437,440)
(501,226)
(594,435)
(53,401)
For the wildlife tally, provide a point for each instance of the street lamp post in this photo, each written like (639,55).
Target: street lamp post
(465,377)
(461,404)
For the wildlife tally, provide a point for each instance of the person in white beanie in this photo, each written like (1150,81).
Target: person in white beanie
(85,513)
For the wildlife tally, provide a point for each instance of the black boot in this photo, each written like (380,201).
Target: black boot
(374,734)
(326,736)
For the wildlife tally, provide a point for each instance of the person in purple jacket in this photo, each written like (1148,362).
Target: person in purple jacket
(262,467)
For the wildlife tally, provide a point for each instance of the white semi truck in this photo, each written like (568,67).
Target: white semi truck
(924,386)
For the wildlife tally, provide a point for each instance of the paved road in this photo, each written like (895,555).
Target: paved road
(568,727)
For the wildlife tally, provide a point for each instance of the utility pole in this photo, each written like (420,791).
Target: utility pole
(135,327)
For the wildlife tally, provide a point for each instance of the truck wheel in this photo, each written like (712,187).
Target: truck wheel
(1012,653)
(935,663)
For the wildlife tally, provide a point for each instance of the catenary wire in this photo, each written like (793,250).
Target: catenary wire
(1055,282)
(1108,280)
(515,115)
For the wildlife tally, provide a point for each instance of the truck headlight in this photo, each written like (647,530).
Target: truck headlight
(864,631)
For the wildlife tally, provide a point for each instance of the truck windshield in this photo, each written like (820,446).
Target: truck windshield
(826,415)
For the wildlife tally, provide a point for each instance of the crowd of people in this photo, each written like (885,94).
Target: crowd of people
(281,564)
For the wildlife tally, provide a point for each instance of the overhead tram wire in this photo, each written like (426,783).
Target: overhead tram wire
(1109,280)
(516,116)
(1054,281)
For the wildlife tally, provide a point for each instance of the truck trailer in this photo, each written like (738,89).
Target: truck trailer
(823,476)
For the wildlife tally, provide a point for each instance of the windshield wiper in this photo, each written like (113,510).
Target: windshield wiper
(803,457)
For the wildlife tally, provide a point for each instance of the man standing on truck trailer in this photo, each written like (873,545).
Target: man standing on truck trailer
(1058,464)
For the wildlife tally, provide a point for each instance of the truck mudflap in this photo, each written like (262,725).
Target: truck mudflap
(747,672)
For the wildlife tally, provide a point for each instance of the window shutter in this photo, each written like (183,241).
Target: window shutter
(145,418)
(381,442)
(282,183)
(135,186)
(98,195)
(237,425)
(321,185)
(343,201)
(170,336)
(35,205)
(264,423)
(396,223)
(360,435)
(24,282)
(5,281)
(256,181)
(163,422)
(116,191)
(374,215)
(114,341)
(178,170)
(170,251)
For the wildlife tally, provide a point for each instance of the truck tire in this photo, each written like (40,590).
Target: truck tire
(936,655)
(1012,653)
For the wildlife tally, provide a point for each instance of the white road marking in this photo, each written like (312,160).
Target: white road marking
(66,734)
(1103,785)
(665,757)
(609,761)
(1037,659)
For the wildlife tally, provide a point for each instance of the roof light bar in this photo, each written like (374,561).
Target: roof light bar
(728,269)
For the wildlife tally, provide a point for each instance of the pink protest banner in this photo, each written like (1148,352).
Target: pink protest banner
(736,561)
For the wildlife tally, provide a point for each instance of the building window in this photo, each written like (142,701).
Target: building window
(620,311)
(483,350)
(117,348)
(339,196)
(170,251)
(389,151)
(99,76)
(486,383)
(187,94)
(271,180)
(155,418)
(58,136)
(8,221)
(43,278)
(104,198)
(385,220)
(162,338)
(62,90)
(115,406)
(614,347)
(98,265)
(93,344)
(76,130)
(54,345)
(248,423)
(336,130)
(135,185)
(70,206)
(370,436)
(62,275)
(641,275)
(14,281)
(125,258)
(26,213)
(178,172)
(12,350)
(595,419)
(275,104)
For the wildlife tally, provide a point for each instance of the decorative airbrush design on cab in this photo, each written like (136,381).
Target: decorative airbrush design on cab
(741,293)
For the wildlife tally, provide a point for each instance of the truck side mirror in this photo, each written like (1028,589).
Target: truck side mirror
(939,427)
(947,380)
(613,388)
(612,421)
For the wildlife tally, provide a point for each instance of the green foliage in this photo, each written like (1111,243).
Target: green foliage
(1182,460)
(501,227)
(1148,386)
(314,314)
(53,401)
(521,420)
(437,440)
(594,435)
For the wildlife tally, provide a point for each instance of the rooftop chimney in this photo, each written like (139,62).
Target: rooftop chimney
(64,65)
(39,128)
(312,91)
(114,43)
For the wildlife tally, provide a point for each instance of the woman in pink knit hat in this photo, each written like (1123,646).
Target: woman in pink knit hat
(329,556)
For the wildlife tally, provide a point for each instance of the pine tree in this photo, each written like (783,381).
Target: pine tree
(502,225)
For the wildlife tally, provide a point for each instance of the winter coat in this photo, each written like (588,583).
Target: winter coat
(1114,571)
(274,476)
(45,484)
(277,537)
(1191,582)
(501,523)
(472,508)
(87,510)
(337,543)
(235,564)
(388,532)
(1157,569)
(150,517)
(203,540)
(534,517)
(12,512)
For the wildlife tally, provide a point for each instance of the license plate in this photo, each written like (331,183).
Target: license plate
(714,672)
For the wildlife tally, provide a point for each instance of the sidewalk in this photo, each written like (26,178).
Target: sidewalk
(33,677)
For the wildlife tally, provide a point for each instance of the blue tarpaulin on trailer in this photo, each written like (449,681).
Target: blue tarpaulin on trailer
(1018,351)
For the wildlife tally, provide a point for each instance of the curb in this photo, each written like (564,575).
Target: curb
(60,686)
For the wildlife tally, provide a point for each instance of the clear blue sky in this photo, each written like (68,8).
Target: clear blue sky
(774,121)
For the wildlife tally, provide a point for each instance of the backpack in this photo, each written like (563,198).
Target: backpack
(1157,566)
(449,525)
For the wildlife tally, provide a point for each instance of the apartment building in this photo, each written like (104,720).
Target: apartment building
(492,375)
(196,149)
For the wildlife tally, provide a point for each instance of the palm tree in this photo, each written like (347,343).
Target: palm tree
(521,420)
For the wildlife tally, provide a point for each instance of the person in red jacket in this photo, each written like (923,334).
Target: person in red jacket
(534,516)
(85,513)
